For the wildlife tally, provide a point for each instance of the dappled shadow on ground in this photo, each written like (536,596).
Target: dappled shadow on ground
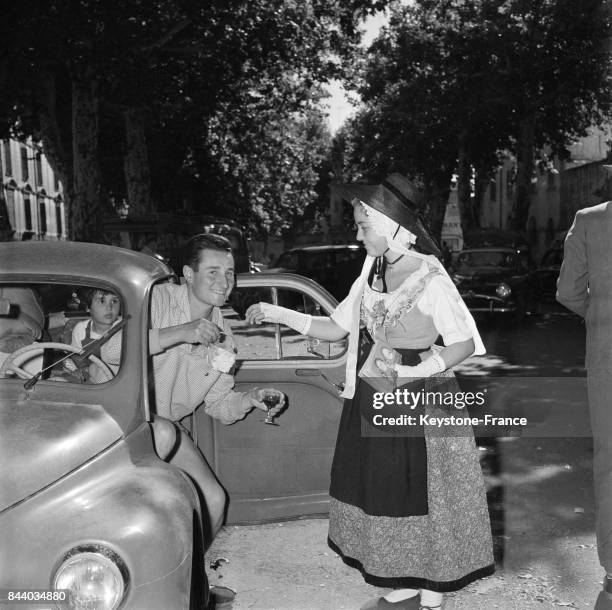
(551,344)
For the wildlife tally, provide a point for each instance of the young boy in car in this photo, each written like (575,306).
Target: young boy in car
(105,310)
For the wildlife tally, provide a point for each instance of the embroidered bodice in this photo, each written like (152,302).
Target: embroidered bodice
(395,316)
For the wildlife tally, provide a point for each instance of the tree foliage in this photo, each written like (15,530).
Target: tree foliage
(127,95)
(449,85)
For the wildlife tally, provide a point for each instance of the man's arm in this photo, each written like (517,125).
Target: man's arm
(573,282)
(198,331)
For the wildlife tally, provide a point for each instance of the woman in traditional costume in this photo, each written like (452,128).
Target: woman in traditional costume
(408,506)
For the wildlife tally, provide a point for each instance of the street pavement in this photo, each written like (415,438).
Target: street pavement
(540,499)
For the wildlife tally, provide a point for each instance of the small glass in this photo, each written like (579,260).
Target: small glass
(270,399)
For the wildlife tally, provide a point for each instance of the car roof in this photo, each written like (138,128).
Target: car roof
(491,249)
(325,248)
(23,261)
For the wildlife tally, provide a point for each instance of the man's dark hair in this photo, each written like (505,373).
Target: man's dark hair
(204,241)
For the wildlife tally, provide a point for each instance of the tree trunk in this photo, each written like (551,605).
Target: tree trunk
(464,189)
(525,164)
(136,163)
(436,194)
(86,209)
(56,137)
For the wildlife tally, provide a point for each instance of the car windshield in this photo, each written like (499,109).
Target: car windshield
(486,258)
(60,332)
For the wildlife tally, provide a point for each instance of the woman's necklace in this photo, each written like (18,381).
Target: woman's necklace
(380,268)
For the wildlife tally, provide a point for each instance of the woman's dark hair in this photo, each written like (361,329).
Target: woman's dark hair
(204,241)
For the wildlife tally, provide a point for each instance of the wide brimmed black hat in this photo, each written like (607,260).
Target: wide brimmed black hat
(398,199)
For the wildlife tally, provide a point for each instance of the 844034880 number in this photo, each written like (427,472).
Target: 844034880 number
(34,596)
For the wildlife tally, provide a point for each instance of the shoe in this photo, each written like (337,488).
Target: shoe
(380,603)
(221,597)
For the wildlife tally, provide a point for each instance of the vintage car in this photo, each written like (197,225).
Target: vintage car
(496,280)
(86,504)
(335,267)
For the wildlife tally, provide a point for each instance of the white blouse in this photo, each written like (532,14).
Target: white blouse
(435,299)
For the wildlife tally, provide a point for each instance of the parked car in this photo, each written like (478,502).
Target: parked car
(86,504)
(80,477)
(335,267)
(165,235)
(496,280)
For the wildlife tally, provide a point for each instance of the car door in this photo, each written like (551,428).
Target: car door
(273,472)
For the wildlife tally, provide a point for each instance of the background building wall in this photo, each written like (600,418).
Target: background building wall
(32,196)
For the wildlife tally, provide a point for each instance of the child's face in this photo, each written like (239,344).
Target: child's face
(105,308)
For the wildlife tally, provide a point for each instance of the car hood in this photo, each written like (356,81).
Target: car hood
(42,441)
(483,275)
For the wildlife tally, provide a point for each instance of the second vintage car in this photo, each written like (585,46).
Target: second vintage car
(333,266)
(496,280)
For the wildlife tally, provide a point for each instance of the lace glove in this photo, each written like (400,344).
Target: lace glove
(434,365)
(293,319)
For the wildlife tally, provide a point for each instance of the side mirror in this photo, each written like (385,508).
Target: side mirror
(5,307)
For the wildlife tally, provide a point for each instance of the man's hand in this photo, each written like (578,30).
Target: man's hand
(200,331)
(197,331)
(254,398)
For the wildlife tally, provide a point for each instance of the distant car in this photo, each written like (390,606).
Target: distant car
(335,267)
(496,280)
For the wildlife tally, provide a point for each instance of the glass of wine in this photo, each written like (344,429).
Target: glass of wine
(270,399)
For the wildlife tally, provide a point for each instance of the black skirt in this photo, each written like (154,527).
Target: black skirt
(383,475)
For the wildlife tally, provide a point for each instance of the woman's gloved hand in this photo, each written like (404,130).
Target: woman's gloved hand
(264,312)
(434,365)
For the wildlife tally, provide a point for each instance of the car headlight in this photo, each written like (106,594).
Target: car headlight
(503,291)
(95,578)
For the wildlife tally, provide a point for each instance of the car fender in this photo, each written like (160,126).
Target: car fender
(125,499)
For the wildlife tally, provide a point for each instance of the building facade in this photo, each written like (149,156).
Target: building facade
(31,197)
(558,190)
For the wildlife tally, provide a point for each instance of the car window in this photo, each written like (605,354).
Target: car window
(487,258)
(288,260)
(60,332)
(273,341)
